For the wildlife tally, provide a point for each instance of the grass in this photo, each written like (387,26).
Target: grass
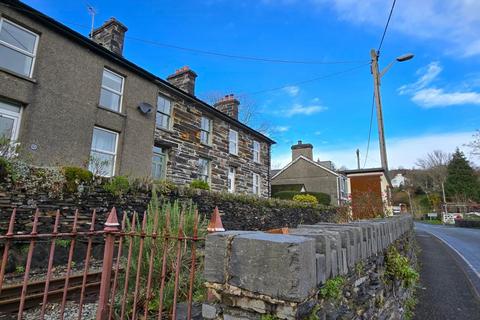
(169,219)
(435,221)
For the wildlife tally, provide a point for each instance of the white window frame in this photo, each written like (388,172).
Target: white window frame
(163,153)
(256,184)
(233,141)
(231,177)
(256,151)
(107,152)
(120,93)
(35,47)
(209,172)
(16,117)
(169,125)
(208,132)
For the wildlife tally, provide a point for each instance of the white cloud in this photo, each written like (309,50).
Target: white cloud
(431,98)
(425,95)
(298,109)
(281,129)
(427,75)
(402,152)
(292,90)
(454,23)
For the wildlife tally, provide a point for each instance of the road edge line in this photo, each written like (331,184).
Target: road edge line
(472,284)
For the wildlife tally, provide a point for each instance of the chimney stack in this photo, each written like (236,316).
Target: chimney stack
(111,35)
(228,105)
(302,149)
(184,78)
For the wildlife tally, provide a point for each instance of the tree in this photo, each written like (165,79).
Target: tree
(435,167)
(461,183)
(249,113)
(475,144)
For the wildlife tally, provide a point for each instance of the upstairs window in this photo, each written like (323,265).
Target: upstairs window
(233,142)
(18,47)
(104,152)
(256,184)
(159,160)
(256,151)
(164,112)
(205,130)
(9,121)
(112,91)
(203,169)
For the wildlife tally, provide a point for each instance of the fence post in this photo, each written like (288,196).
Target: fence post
(111,228)
(215,224)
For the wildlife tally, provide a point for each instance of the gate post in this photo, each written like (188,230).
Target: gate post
(111,228)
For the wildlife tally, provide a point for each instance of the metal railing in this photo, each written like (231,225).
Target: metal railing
(129,283)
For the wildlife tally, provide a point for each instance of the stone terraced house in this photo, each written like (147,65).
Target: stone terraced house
(71,100)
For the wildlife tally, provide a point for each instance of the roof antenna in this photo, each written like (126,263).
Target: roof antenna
(92,12)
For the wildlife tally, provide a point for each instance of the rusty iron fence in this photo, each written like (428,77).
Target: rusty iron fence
(131,284)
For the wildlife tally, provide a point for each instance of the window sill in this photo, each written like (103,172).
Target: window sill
(208,145)
(112,111)
(18,75)
(164,129)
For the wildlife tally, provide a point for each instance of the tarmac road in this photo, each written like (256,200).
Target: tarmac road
(450,273)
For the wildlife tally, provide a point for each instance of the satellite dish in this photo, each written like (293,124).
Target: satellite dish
(145,108)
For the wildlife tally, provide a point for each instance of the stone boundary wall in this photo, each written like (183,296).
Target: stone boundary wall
(238,212)
(251,275)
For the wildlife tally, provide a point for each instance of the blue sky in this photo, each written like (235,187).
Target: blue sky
(430,102)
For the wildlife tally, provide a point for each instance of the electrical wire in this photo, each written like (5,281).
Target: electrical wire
(240,57)
(310,80)
(386,26)
(210,52)
(369,131)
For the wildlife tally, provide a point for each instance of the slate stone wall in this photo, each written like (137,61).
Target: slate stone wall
(184,148)
(237,212)
(324,271)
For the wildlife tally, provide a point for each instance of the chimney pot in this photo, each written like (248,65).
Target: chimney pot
(228,105)
(111,35)
(302,149)
(184,79)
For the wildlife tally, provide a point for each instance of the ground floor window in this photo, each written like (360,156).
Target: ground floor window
(103,152)
(204,169)
(231,179)
(256,184)
(159,160)
(9,120)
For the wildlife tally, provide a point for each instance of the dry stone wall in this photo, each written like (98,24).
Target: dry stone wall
(324,271)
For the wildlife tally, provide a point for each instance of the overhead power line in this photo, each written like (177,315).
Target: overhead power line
(240,57)
(386,26)
(369,131)
(331,75)
(214,53)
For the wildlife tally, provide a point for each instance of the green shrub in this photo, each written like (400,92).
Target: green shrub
(333,288)
(117,186)
(164,187)
(322,198)
(398,268)
(76,176)
(199,184)
(5,168)
(285,195)
(305,198)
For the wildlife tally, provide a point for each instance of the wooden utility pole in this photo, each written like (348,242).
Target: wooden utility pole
(378,102)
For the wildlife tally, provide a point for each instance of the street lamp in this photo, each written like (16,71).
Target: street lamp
(376,85)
